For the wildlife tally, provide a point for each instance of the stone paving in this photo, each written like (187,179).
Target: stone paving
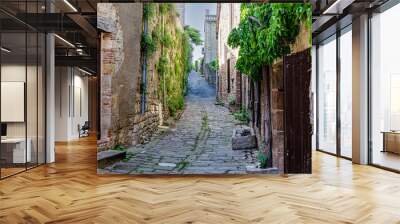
(200,142)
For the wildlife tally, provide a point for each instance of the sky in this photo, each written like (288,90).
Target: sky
(194,16)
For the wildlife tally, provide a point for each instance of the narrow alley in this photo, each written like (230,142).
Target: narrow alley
(200,142)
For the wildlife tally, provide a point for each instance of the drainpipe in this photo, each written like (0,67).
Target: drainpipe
(163,75)
(144,73)
(216,85)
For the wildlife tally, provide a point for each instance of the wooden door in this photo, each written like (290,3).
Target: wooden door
(298,128)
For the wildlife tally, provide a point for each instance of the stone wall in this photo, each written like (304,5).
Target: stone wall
(112,57)
(122,120)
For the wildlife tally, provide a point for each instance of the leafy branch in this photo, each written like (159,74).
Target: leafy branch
(266,32)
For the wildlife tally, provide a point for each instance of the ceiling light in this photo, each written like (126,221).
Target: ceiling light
(5,50)
(65,41)
(338,6)
(84,71)
(70,5)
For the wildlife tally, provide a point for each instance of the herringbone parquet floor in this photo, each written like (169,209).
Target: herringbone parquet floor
(71,192)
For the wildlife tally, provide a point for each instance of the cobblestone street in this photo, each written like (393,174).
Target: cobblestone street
(199,143)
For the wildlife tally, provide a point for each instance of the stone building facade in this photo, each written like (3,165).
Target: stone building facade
(115,61)
(262,99)
(210,46)
(132,101)
(228,78)
(265,103)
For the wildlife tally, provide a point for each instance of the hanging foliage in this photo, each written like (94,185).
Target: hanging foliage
(149,10)
(194,35)
(266,32)
(173,47)
(214,66)
(148,45)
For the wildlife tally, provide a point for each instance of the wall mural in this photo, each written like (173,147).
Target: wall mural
(199,88)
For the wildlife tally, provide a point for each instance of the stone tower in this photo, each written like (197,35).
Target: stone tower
(210,46)
(180,8)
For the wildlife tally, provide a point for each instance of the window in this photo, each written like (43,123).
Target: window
(327,95)
(385,89)
(22,76)
(346,92)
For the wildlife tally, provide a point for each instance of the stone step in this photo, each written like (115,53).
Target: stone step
(251,169)
(107,157)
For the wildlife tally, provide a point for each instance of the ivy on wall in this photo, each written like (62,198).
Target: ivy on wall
(266,32)
(149,10)
(171,49)
(214,65)
(148,44)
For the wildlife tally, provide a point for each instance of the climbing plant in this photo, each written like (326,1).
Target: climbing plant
(149,10)
(166,40)
(266,32)
(173,47)
(214,66)
(148,45)
(194,35)
(165,8)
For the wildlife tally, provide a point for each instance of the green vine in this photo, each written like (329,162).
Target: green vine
(266,32)
(156,34)
(162,65)
(166,8)
(166,40)
(214,66)
(171,47)
(148,45)
(149,10)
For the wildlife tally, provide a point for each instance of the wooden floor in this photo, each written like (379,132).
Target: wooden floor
(71,192)
(387,159)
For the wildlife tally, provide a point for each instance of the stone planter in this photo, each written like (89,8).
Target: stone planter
(243,138)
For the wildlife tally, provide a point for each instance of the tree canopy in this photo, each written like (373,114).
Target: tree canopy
(194,35)
(265,33)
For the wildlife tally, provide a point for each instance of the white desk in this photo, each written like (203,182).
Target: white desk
(19,154)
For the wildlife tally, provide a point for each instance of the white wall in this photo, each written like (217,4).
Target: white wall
(71,94)
(33,126)
(16,73)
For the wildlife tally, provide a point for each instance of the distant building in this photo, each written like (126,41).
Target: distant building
(180,8)
(210,46)
(229,80)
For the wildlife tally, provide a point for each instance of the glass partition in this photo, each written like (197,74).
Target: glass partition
(385,89)
(14,153)
(346,92)
(327,95)
(22,88)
